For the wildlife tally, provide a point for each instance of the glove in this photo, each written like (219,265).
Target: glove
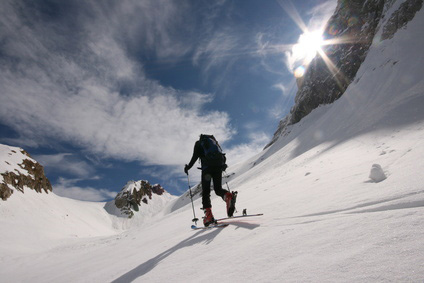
(224,167)
(186,169)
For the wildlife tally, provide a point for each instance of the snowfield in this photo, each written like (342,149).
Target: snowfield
(342,196)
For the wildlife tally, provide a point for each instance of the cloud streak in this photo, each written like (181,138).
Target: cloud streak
(244,151)
(78,72)
(93,94)
(66,163)
(67,188)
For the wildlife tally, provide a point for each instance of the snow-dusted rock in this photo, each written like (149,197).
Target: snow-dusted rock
(377,173)
(401,17)
(18,170)
(136,194)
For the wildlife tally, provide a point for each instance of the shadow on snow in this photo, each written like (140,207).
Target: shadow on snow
(144,268)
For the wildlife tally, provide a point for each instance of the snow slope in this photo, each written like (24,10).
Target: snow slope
(33,222)
(324,220)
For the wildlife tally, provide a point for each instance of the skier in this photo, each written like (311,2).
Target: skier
(212,160)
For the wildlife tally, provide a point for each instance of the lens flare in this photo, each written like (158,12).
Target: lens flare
(352,21)
(333,30)
(299,72)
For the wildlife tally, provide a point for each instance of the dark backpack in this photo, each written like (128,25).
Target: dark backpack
(212,152)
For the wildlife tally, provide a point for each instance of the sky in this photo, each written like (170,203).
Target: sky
(104,92)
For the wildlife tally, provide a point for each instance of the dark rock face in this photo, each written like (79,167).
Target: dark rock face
(5,191)
(134,193)
(35,180)
(157,189)
(401,17)
(352,27)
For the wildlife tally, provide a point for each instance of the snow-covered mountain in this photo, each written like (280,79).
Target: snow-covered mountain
(341,191)
(18,170)
(139,198)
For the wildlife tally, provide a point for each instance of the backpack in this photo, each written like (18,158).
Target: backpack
(213,155)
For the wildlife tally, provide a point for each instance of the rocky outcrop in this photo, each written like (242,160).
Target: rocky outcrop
(353,25)
(5,191)
(401,17)
(352,29)
(18,171)
(134,194)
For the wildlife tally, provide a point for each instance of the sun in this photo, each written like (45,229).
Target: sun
(309,45)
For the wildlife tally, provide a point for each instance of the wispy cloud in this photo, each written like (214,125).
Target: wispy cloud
(242,152)
(151,25)
(282,103)
(171,177)
(281,87)
(321,14)
(67,188)
(217,49)
(94,94)
(78,75)
(66,163)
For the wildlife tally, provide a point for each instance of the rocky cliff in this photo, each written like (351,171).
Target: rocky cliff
(352,29)
(18,171)
(136,194)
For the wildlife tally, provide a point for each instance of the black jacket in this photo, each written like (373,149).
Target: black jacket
(212,165)
(197,153)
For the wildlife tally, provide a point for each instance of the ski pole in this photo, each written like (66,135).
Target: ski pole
(192,205)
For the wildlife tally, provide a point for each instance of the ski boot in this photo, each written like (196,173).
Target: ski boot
(208,219)
(230,200)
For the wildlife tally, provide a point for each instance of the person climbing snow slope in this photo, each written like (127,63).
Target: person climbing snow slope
(213,164)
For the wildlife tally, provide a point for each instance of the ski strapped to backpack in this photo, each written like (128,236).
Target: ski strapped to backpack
(213,155)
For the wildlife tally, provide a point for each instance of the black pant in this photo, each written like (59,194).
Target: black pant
(207,176)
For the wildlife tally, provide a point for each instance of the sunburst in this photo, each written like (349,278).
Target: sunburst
(310,43)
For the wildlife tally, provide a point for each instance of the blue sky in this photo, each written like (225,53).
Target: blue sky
(103,92)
